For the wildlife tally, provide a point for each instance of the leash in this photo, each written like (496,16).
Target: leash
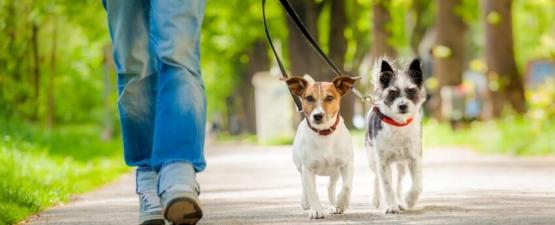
(297,99)
(299,24)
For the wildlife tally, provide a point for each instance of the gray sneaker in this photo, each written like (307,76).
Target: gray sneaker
(150,212)
(179,194)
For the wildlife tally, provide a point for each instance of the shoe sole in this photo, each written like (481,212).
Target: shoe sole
(154,222)
(183,211)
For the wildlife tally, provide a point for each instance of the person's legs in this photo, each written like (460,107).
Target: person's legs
(180,107)
(181,104)
(128,22)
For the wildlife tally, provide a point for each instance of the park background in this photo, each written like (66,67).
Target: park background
(491,67)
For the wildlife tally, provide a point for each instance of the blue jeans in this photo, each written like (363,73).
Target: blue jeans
(161,100)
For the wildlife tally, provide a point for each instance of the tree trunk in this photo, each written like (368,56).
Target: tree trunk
(506,86)
(337,49)
(380,33)
(51,104)
(302,57)
(36,68)
(420,27)
(107,68)
(451,32)
(258,61)
(448,51)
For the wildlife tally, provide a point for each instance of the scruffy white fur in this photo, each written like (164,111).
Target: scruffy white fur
(389,145)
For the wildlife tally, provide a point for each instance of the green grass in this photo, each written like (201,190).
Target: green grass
(512,135)
(41,168)
(515,135)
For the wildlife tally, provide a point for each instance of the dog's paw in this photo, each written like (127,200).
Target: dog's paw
(392,210)
(316,214)
(336,210)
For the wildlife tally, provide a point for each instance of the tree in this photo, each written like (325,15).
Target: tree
(337,46)
(505,83)
(420,10)
(381,33)
(449,49)
(51,99)
(258,61)
(36,67)
(302,58)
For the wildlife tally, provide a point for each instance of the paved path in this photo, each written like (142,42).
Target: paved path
(259,185)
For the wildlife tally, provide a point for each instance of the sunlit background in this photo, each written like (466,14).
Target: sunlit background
(490,79)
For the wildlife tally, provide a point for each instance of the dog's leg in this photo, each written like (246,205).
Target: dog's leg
(331,188)
(345,194)
(415,168)
(316,210)
(401,170)
(377,193)
(304,200)
(376,197)
(384,171)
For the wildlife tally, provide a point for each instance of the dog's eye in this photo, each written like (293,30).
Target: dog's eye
(411,91)
(393,93)
(329,98)
(309,98)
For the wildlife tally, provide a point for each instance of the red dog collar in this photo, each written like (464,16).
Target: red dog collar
(390,121)
(324,132)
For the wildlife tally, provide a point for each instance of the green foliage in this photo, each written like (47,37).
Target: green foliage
(514,135)
(81,34)
(399,36)
(43,168)
(534,30)
(229,30)
(529,134)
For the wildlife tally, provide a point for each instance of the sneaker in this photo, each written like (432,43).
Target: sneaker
(150,212)
(179,194)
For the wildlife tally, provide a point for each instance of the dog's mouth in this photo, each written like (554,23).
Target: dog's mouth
(317,122)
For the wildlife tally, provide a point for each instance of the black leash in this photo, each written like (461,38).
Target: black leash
(297,100)
(293,15)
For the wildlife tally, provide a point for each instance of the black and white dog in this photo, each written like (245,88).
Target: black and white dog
(394,134)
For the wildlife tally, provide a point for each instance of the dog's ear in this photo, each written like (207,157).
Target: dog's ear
(386,74)
(415,72)
(309,79)
(344,84)
(297,85)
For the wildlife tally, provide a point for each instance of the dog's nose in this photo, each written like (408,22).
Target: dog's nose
(403,108)
(318,117)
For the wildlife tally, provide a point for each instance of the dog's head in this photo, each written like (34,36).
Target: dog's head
(320,99)
(399,92)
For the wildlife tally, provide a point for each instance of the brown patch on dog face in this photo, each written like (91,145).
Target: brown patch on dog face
(324,95)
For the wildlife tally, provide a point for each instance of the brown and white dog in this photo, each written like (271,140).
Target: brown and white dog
(323,145)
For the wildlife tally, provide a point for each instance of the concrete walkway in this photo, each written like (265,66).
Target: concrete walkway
(259,185)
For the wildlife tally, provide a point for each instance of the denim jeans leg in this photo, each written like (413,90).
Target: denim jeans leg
(181,103)
(129,29)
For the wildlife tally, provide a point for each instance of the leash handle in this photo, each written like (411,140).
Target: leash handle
(296,99)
